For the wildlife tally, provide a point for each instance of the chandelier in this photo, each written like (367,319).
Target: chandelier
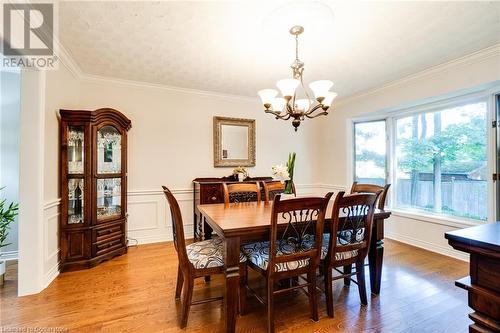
(289,106)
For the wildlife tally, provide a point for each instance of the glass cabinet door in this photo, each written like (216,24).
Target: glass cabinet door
(75,201)
(109,198)
(75,149)
(109,150)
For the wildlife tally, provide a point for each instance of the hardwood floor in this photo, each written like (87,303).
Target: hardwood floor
(135,293)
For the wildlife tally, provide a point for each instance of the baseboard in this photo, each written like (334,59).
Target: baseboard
(51,275)
(428,246)
(9,255)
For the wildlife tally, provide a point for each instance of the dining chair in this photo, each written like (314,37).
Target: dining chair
(286,255)
(348,241)
(197,260)
(241,192)
(367,188)
(271,189)
(371,188)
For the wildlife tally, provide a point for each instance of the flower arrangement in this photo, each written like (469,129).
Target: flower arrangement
(280,172)
(285,173)
(241,173)
(290,166)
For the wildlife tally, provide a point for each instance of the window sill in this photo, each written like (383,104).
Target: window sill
(437,219)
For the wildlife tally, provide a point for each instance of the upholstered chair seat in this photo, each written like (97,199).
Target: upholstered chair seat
(309,241)
(258,254)
(208,254)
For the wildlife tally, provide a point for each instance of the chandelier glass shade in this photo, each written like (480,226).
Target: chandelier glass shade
(289,106)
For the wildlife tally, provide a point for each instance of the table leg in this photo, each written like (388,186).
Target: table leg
(376,255)
(231,292)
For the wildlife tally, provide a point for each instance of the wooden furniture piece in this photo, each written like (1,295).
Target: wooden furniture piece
(197,260)
(348,242)
(240,223)
(483,284)
(234,142)
(288,254)
(211,191)
(368,188)
(241,192)
(371,188)
(271,189)
(93,187)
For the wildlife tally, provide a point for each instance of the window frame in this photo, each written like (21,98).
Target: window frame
(386,171)
(488,95)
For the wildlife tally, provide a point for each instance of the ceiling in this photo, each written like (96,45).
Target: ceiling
(242,47)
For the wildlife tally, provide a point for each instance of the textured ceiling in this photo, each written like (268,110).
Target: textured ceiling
(241,47)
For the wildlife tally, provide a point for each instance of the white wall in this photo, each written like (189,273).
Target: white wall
(467,72)
(170,144)
(10,110)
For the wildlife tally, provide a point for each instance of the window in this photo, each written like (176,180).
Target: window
(370,152)
(440,159)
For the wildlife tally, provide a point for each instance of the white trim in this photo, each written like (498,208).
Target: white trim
(31,181)
(51,204)
(9,255)
(51,275)
(446,220)
(142,84)
(447,251)
(481,55)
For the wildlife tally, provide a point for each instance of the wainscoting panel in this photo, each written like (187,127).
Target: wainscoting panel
(51,216)
(149,218)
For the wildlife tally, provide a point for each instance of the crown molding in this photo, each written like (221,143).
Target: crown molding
(142,84)
(75,69)
(478,56)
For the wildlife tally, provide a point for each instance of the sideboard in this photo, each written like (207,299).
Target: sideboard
(210,191)
(483,284)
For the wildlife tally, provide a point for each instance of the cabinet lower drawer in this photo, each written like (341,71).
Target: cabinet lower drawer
(108,232)
(108,245)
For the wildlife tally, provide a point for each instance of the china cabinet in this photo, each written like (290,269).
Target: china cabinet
(93,187)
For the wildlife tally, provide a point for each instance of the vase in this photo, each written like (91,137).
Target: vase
(287,196)
(241,177)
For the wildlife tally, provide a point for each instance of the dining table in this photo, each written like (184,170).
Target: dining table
(244,222)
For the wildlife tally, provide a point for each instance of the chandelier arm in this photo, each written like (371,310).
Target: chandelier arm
(313,109)
(278,115)
(324,113)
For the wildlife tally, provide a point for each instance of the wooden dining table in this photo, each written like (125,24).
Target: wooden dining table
(239,223)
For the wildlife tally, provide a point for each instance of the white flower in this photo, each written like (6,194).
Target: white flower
(280,172)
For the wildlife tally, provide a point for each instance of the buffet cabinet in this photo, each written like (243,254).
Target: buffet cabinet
(210,191)
(93,187)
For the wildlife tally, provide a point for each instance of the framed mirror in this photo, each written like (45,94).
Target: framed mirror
(234,142)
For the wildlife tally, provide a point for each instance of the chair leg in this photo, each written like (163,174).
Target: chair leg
(313,295)
(243,288)
(180,282)
(329,291)
(360,275)
(347,270)
(270,306)
(186,302)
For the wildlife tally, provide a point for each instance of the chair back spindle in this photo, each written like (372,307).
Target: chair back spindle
(245,192)
(374,189)
(352,220)
(271,189)
(303,216)
(177,227)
